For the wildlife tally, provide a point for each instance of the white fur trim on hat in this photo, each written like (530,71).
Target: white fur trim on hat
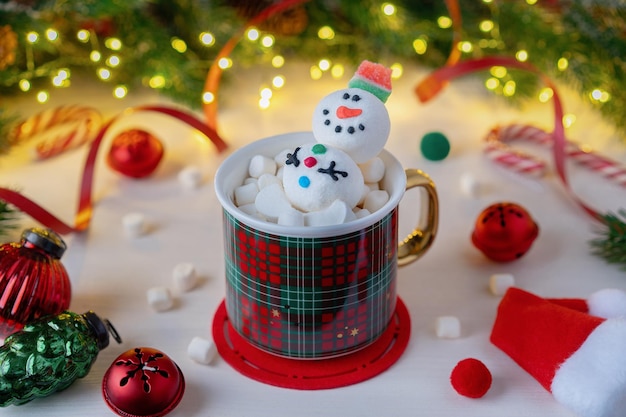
(592,381)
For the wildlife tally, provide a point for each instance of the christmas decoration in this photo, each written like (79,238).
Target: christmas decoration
(71,127)
(497,150)
(8,45)
(49,354)
(8,216)
(471,378)
(435,146)
(85,207)
(576,41)
(568,348)
(143,382)
(504,231)
(135,153)
(611,242)
(33,281)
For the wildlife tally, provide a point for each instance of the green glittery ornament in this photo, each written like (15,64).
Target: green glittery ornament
(435,146)
(49,354)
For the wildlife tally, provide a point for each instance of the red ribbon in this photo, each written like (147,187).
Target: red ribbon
(84,211)
(212,81)
(435,82)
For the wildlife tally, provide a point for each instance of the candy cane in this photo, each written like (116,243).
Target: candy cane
(82,124)
(500,152)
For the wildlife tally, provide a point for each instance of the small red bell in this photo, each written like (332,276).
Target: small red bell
(143,382)
(504,232)
(33,281)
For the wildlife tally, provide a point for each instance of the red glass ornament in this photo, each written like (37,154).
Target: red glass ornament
(135,153)
(33,281)
(143,382)
(504,232)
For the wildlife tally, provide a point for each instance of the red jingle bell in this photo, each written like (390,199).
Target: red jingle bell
(33,281)
(135,153)
(504,232)
(143,382)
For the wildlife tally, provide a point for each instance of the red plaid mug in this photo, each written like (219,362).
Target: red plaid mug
(323,291)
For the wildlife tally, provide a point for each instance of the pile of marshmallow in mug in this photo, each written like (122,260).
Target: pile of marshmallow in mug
(336,178)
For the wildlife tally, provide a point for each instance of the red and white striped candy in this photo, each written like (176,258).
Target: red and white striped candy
(501,153)
(58,129)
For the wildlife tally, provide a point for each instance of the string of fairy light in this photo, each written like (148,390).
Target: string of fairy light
(106,57)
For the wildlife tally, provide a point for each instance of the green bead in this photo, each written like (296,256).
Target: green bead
(435,146)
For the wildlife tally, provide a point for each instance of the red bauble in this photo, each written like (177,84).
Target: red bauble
(471,378)
(143,382)
(33,281)
(135,153)
(504,232)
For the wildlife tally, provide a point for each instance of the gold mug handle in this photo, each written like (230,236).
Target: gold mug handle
(419,240)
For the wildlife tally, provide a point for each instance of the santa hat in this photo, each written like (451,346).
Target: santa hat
(373,77)
(565,344)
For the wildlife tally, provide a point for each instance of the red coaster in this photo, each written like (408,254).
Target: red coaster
(312,374)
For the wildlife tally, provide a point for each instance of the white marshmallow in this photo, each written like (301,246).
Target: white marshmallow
(281,158)
(338,212)
(160,298)
(360,213)
(499,283)
(267,179)
(448,327)
(134,224)
(358,127)
(260,165)
(272,202)
(279,173)
(190,177)
(374,200)
(249,209)
(246,194)
(291,217)
(469,184)
(201,350)
(373,170)
(184,276)
(250,180)
(319,175)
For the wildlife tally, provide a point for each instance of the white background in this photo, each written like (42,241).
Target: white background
(110,273)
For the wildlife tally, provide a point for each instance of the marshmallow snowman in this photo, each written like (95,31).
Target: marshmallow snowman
(355,119)
(316,175)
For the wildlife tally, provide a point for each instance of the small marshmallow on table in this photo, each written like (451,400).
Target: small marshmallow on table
(190,177)
(448,327)
(201,350)
(134,224)
(499,283)
(160,298)
(184,276)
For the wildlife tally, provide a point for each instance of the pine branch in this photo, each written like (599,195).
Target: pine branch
(611,244)
(8,217)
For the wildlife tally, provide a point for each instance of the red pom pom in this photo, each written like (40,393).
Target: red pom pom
(135,153)
(471,378)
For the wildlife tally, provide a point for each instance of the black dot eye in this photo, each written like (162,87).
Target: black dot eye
(325,112)
(361,127)
(356,97)
(351,130)
(326,122)
(338,129)
(346,96)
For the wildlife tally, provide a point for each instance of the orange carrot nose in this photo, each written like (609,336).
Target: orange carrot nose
(344,112)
